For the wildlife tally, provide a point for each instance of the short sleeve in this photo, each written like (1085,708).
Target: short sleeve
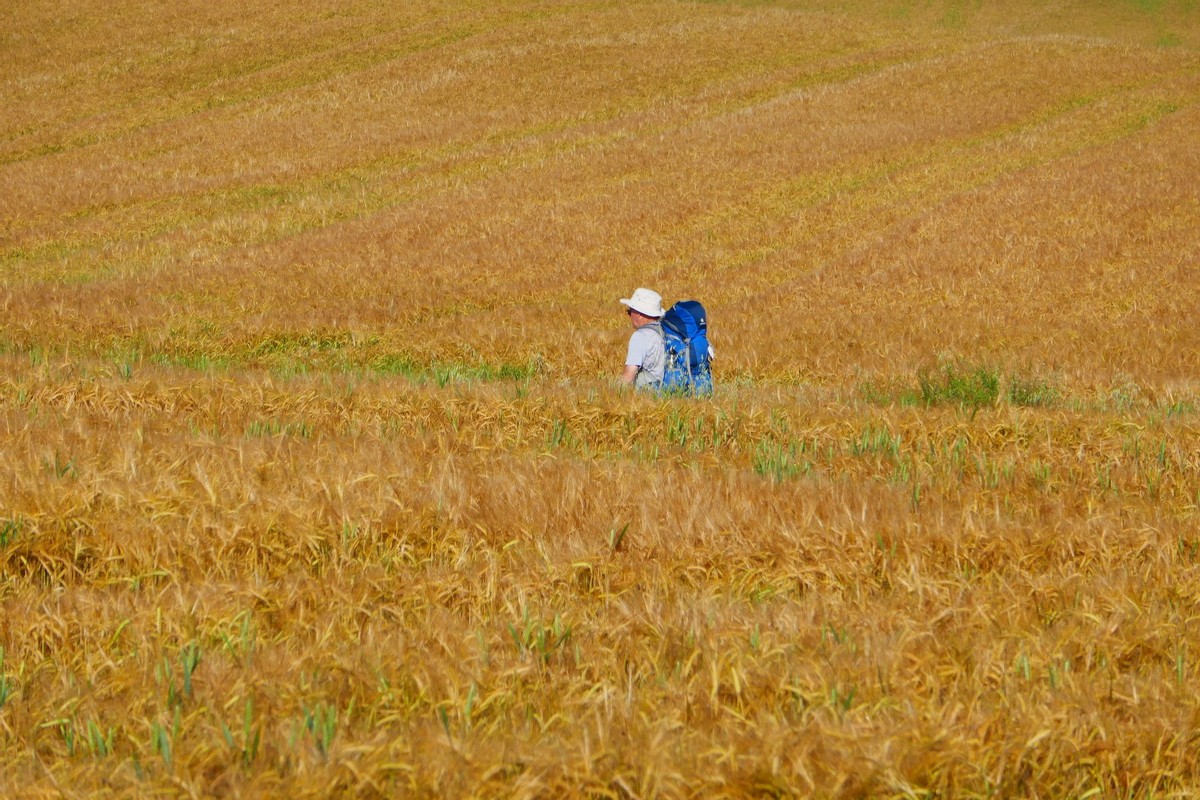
(639,344)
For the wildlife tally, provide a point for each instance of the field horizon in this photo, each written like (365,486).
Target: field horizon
(318,480)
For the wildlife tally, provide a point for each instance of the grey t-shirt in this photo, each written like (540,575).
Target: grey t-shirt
(646,351)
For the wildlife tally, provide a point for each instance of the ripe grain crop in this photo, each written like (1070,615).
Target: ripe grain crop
(316,480)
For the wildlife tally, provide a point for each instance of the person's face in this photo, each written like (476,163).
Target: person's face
(635,319)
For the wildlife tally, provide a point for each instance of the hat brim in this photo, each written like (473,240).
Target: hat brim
(649,312)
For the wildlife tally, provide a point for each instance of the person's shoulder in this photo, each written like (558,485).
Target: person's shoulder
(646,335)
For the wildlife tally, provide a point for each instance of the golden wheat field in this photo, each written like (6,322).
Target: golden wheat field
(317,481)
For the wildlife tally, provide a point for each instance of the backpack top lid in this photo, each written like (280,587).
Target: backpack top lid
(686,319)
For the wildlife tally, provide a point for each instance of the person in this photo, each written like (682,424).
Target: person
(646,359)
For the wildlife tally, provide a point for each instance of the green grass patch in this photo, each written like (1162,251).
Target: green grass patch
(444,373)
(875,441)
(1031,392)
(274,427)
(970,387)
(780,461)
(966,386)
(11,530)
(200,362)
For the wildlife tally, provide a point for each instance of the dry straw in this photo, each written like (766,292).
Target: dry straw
(316,480)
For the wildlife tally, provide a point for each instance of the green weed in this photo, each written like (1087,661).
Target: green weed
(247,751)
(878,441)
(779,461)
(274,427)
(536,639)
(320,724)
(10,530)
(160,742)
(971,388)
(189,659)
(1031,392)
(560,435)
(6,685)
(444,373)
(99,742)
(59,467)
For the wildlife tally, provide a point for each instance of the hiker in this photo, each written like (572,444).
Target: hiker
(645,361)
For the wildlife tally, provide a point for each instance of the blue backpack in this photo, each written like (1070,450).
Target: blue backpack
(685,338)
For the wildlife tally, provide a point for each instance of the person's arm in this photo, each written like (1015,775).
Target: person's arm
(634,357)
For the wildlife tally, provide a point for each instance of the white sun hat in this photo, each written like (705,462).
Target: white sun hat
(645,302)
